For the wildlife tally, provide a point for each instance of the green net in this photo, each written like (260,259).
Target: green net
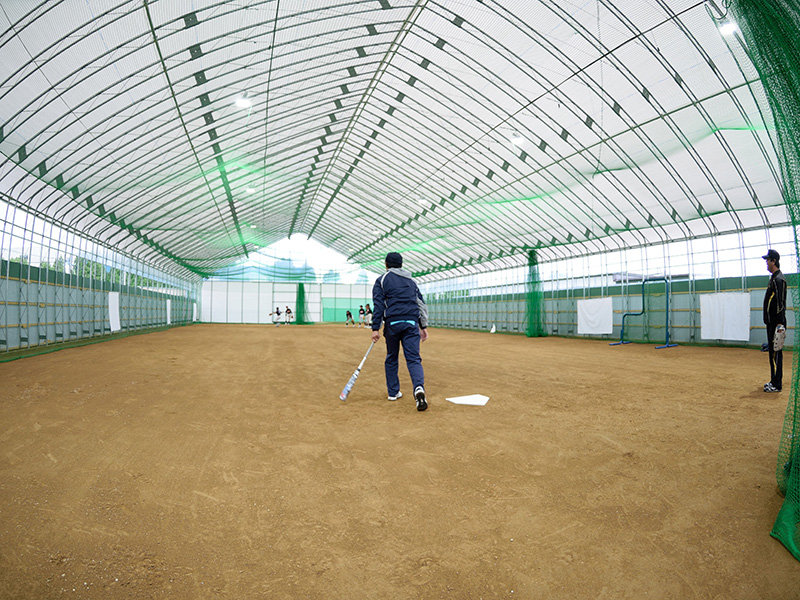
(771,31)
(534,298)
(301,305)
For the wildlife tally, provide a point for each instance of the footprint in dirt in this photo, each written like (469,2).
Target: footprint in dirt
(336,460)
(423,571)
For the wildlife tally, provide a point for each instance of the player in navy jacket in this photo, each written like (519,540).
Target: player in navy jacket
(400,307)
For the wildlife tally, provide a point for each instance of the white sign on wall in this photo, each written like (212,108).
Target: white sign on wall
(113,311)
(595,316)
(725,316)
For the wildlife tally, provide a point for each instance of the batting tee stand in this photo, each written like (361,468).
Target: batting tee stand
(622,333)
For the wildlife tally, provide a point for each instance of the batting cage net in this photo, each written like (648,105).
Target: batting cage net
(771,32)
(300,311)
(536,326)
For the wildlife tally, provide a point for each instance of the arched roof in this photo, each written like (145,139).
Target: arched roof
(454,131)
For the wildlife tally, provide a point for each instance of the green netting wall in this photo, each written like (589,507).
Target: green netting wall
(335,309)
(301,306)
(771,31)
(535,305)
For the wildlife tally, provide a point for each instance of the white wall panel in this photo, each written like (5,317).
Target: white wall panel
(219,302)
(235,301)
(205,302)
(265,303)
(286,294)
(250,301)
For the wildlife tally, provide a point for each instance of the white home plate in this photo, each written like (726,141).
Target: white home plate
(473,400)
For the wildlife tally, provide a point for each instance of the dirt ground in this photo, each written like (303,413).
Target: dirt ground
(216,461)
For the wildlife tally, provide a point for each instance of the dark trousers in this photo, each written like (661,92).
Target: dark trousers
(775,358)
(407,334)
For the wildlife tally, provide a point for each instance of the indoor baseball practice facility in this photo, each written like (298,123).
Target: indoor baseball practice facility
(399,299)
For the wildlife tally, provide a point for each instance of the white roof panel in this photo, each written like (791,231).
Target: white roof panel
(455,131)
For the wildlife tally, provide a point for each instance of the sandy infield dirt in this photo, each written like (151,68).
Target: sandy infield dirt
(216,461)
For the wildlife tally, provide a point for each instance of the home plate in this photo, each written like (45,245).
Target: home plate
(473,400)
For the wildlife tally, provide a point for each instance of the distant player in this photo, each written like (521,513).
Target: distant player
(287,315)
(349,319)
(369,316)
(276,316)
(361,315)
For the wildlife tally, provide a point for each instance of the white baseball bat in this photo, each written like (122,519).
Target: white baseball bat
(352,382)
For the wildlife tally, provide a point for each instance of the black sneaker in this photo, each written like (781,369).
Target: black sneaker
(419,394)
(767,388)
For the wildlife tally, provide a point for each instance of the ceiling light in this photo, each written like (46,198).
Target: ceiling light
(249,190)
(517,139)
(252,226)
(728,28)
(243,101)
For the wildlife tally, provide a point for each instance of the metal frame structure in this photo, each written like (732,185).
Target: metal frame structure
(458,133)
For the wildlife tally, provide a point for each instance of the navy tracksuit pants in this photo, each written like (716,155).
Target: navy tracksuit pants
(407,334)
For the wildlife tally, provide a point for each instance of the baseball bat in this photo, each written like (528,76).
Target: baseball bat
(352,382)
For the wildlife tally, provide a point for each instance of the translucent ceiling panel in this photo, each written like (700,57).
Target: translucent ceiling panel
(454,130)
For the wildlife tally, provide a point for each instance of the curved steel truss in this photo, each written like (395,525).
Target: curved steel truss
(455,131)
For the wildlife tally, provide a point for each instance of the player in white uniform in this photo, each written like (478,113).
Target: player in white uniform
(276,316)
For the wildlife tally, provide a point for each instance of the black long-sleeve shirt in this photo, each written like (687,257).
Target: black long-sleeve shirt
(775,300)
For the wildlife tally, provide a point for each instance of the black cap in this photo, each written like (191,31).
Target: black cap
(393,259)
(772,254)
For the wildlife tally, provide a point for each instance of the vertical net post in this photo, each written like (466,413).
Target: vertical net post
(770,30)
(300,309)
(533,298)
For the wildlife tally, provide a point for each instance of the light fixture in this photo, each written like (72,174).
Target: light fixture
(517,139)
(244,101)
(252,226)
(728,28)
(249,190)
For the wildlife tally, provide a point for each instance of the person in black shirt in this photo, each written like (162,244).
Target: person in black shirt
(369,316)
(361,315)
(775,319)
(276,316)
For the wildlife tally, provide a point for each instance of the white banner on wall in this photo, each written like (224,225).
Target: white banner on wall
(725,316)
(169,312)
(113,311)
(595,316)
(194,311)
